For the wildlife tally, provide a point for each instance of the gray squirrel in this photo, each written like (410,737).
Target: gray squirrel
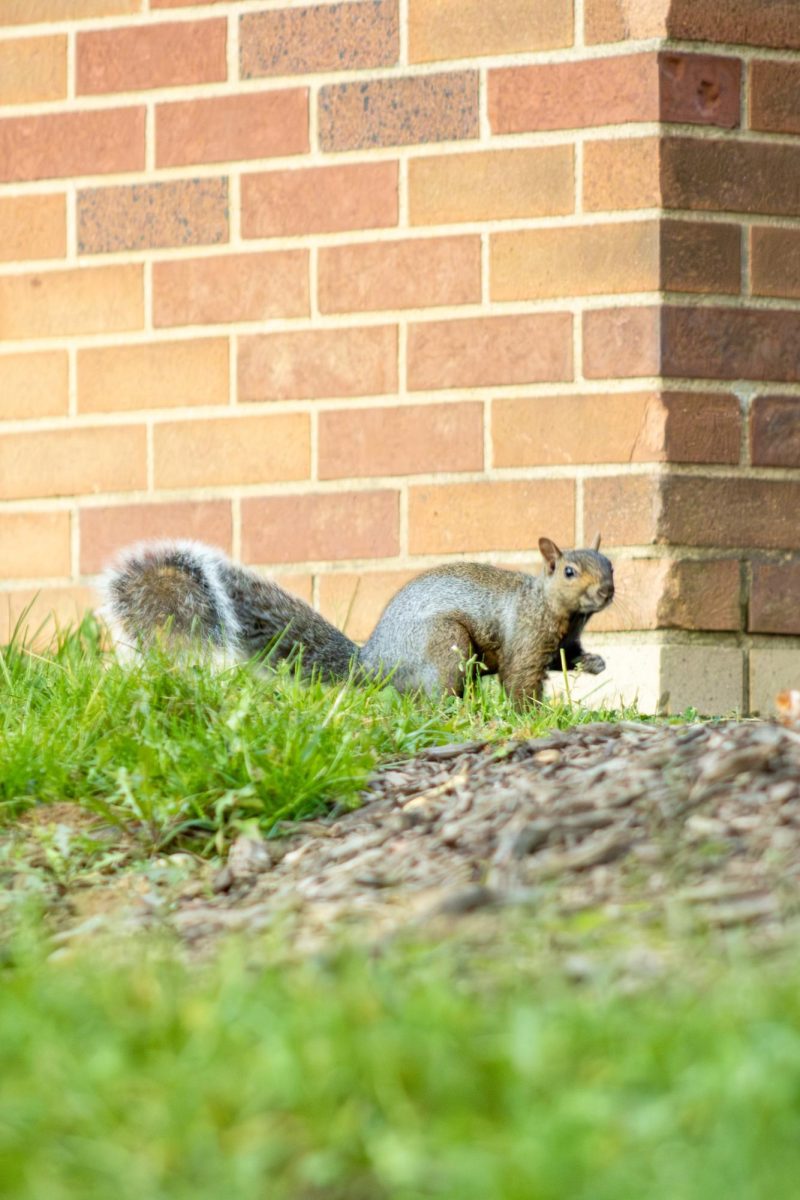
(512,623)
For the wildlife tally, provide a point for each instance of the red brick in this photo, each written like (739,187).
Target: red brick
(153,375)
(700,89)
(734,512)
(418,273)
(569,95)
(34,544)
(702,427)
(34,385)
(663,593)
(621,173)
(254,125)
(621,342)
(319,200)
(482,351)
(233,287)
(66,144)
(619,20)
(700,257)
(442,29)
(491,185)
(411,440)
(773,598)
(315,363)
(624,508)
(775,96)
(775,431)
(324,527)
(33,70)
(399,111)
(53,303)
(775,261)
(233,450)
(330,37)
(730,176)
(186,212)
(33,227)
(151,56)
(747,22)
(105,530)
(72,462)
(729,343)
(470,517)
(355,601)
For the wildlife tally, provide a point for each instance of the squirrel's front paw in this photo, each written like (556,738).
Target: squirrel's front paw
(592,664)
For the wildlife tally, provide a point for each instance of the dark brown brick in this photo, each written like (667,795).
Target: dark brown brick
(319,199)
(700,257)
(775,431)
(773,598)
(746,22)
(775,261)
(57,145)
(729,343)
(190,212)
(481,351)
(255,125)
(702,427)
(735,512)
(399,112)
(700,89)
(320,37)
(621,342)
(775,97)
(151,56)
(730,176)
(701,595)
(330,526)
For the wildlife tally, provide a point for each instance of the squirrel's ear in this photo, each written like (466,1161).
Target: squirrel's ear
(596,543)
(549,552)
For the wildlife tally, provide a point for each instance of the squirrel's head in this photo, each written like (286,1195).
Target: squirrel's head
(580,580)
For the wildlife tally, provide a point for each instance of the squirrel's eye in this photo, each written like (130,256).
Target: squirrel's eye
(570,572)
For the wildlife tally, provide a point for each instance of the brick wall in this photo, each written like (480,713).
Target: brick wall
(353,288)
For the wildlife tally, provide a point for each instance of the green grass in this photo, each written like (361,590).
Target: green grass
(181,753)
(423,1073)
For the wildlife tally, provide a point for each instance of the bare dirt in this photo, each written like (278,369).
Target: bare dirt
(664,827)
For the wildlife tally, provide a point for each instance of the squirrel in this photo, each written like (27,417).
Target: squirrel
(513,624)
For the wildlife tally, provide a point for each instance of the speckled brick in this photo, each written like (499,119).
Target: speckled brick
(256,125)
(188,212)
(399,112)
(775,431)
(56,145)
(151,56)
(319,37)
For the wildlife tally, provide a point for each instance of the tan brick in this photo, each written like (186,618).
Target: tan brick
(774,431)
(27,12)
(234,287)
(332,37)
(319,199)
(36,615)
(470,517)
(748,22)
(578,260)
(775,96)
(186,212)
(324,527)
(560,430)
(625,509)
(34,385)
(34,544)
(735,512)
(620,20)
(773,669)
(297,583)
(714,174)
(33,227)
(639,584)
(72,462)
(775,261)
(399,111)
(571,95)
(254,125)
(622,173)
(58,145)
(153,375)
(700,89)
(700,257)
(354,602)
(410,440)
(773,598)
(101,300)
(413,273)
(729,343)
(314,363)
(151,56)
(234,450)
(621,342)
(33,70)
(492,185)
(441,29)
(653,593)
(154,4)
(482,351)
(105,530)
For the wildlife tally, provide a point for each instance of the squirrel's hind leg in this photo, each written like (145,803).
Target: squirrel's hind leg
(446,650)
